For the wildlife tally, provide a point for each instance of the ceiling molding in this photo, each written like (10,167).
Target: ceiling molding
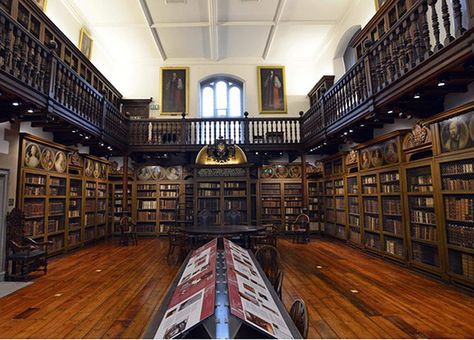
(271,35)
(213,34)
(246,23)
(154,33)
(180,24)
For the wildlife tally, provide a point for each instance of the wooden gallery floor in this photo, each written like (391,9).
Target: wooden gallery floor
(111,291)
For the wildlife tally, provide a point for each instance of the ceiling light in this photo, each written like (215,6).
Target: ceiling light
(110,148)
(345,133)
(256,152)
(31,111)
(409,117)
(417,95)
(86,137)
(362,125)
(101,144)
(390,112)
(441,83)
(351,131)
(16,103)
(325,143)
(400,114)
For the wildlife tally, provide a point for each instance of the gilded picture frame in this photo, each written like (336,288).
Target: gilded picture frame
(174,90)
(86,43)
(41,4)
(271,89)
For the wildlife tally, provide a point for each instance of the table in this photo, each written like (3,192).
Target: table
(222,321)
(220,231)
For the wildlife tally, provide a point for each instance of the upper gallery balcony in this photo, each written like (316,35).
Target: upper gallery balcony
(410,55)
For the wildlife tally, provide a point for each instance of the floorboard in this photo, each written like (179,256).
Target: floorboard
(108,291)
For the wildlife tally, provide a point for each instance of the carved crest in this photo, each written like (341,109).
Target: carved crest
(221,151)
(75,159)
(351,157)
(319,167)
(418,136)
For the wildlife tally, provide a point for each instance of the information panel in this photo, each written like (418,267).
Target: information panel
(194,297)
(249,297)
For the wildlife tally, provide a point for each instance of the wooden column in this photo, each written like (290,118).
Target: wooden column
(304,182)
(125,185)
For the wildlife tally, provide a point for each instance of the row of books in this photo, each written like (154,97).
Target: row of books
(389,177)
(369,190)
(424,233)
(168,204)
(145,187)
(425,254)
(271,202)
(354,236)
(146,215)
(293,211)
(354,220)
(57,244)
(35,191)
(90,185)
(209,204)
(371,205)
(55,226)
(422,216)
(57,181)
(169,186)
(423,202)
(235,204)
(33,179)
(369,180)
(394,247)
(271,211)
(371,223)
(339,191)
(460,235)
(458,184)
(461,167)
(209,185)
(74,239)
(57,191)
(74,213)
(459,208)
(235,192)
(168,193)
(340,217)
(293,192)
(75,191)
(393,226)
(372,241)
(34,209)
(146,204)
(392,207)
(340,204)
(208,193)
(390,188)
(467,262)
(34,227)
(147,194)
(235,185)
(293,204)
(89,234)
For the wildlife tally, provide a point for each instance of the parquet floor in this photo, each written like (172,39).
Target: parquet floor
(107,291)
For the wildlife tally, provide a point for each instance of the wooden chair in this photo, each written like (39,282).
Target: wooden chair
(269,259)
(299,315)
(279,284)
(234,217)
(300,228)
(267,237)
(177,240)
(23,252)
(128,230)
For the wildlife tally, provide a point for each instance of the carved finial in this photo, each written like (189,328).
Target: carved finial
(301,113)
(246,114)
(183,115)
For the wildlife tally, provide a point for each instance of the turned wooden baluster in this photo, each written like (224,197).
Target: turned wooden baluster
(16,52)
(394,52)
(435,23)
(7,52)
(457,10)
(417,38)
(3,38)
(37,69)
(425,32)
(402,60)
(30,59)
(446,22)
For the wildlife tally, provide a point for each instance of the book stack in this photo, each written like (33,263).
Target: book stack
(461,235)
(459,209)
(467,262)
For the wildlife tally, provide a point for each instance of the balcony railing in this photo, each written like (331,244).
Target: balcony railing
(426,30)
(204,131)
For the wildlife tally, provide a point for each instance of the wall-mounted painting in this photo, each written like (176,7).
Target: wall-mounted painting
(271,89)
(41,4)
(85,43)
(457,133)
(174,90)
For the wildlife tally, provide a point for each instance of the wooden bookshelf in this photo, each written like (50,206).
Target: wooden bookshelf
(61,204)
(316,204)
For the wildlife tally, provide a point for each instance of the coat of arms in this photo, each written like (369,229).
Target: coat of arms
(221,151)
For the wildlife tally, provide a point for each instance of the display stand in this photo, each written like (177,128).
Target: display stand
(197,302)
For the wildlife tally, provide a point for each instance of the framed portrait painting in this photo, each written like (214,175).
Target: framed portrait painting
(41,4)
(271,89)
(85,43)
(174,90)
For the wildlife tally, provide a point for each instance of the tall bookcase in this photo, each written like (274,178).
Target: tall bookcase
(221,189)
(61,204)
(316,204)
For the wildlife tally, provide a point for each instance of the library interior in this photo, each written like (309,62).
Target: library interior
(236,169)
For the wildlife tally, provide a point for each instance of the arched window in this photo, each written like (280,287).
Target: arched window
(221,97)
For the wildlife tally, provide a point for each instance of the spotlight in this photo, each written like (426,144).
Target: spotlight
(256,152)
(86,137)
(390,112)
(351,131)
(417,95)
(325,143)
(74,131)
(409,117)
(400,114)
(362,125)
(31,111)
(101,144)
(441,83)
(345,133)
(110,148)
(16,103)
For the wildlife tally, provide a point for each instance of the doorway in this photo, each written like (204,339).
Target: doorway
(3,213)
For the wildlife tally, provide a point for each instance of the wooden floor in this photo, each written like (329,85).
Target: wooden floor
(107,291)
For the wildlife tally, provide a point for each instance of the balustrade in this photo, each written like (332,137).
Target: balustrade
(424,30)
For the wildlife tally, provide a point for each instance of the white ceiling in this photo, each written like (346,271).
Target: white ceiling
(211,30)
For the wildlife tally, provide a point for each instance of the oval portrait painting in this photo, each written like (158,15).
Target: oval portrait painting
(454,135)
(47,159)
(60,162)
(32,155)
(144,173)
